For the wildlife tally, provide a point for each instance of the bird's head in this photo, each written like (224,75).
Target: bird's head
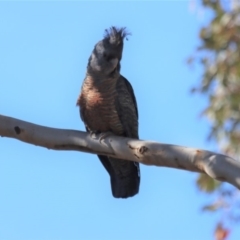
(107,53)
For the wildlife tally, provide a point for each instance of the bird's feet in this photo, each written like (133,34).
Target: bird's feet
(93,134)
(104,135)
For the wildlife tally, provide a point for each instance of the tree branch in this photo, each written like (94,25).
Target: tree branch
(215,165)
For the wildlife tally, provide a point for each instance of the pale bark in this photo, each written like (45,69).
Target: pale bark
(215,165)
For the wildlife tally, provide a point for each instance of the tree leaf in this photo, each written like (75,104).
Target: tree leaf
(207,184)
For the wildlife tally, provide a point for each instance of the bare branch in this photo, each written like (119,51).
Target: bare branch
(217,166)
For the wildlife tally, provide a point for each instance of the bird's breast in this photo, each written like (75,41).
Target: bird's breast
(98,107)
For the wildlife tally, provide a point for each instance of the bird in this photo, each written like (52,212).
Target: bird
(108,105)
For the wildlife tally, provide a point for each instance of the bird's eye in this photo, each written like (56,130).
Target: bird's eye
(107,57)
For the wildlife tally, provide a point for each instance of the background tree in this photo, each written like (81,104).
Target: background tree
(219,56)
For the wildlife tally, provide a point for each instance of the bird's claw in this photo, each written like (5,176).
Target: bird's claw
(104,135)
(93,134)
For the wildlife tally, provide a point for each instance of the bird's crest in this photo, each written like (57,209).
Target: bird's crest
(114,34)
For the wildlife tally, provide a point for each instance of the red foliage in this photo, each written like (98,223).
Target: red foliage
(221,233)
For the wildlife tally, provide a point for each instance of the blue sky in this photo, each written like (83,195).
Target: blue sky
(57,195)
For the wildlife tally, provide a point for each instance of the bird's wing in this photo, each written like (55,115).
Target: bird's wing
(125,175)
(126,106)
(131,92)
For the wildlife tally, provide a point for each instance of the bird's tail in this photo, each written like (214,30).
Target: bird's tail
(124,175)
